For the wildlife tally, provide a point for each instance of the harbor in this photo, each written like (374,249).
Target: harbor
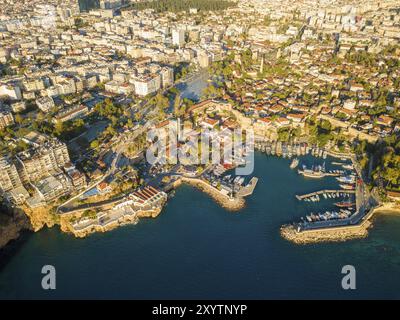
(350,219)
(194,229)
(348,207)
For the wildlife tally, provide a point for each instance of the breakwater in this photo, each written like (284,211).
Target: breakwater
(228,203)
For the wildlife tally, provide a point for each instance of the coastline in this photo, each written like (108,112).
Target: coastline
(388,208)
(233,205)
(39,218)
(11,230)
(126,220)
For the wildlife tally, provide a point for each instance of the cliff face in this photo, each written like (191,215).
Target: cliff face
(12,223)
(41,217)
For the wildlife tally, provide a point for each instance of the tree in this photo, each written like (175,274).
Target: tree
(161,101)
(18,118)
(94,144)
(178,106)
(58,127)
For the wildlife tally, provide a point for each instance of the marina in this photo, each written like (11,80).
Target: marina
(354,208)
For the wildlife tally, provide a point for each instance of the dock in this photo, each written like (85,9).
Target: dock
(317,193)
(249,189)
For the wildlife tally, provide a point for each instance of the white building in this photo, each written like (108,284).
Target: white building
(167,77)
(147,84)
(178,37)
(12,92)
(45,103)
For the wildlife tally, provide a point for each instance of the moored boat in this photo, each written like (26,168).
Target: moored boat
(294,163)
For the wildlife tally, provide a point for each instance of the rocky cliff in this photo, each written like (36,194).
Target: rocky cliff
(12,223)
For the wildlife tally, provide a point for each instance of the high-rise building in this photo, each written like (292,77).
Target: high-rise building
(9,177)
(47,158)
(167,77)
(178,37)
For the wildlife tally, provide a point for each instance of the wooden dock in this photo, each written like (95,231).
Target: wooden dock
(317,193)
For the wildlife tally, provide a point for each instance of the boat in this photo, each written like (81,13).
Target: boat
(348,166)
(345,204)
(294,163)
(318,172)
(347,186)
(347,179)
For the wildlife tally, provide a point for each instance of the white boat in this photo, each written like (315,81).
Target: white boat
(347,179)
(348,167)
(294,163)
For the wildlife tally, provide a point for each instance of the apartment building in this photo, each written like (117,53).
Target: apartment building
(6,117)
(45,159)
(10,183)
(45,103)
(178,37)
(147,84)
(9,177)
(71,113)
(167,77)
(11,92)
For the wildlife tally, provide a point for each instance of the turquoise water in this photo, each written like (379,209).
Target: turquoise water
(195,249)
